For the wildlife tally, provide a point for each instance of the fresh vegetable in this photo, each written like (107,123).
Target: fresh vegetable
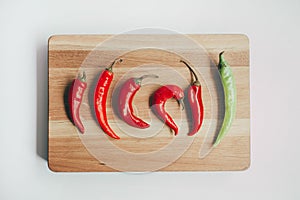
(230,94)
(75,96)
(126,96)
(159,99)
(194,96)
(100,96)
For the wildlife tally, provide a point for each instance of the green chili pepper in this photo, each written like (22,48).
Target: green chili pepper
(229,88)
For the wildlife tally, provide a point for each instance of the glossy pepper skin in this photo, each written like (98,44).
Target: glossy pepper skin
(159,100)
(126,96)
(100,96)
(230,96)
(75,96)
(196,103)
(194,95)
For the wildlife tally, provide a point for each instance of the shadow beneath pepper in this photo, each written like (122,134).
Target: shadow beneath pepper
(151,106)
(115,101)
(66,101)
(150,102)
(220,96)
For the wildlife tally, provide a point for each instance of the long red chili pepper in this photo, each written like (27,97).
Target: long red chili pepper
(126,95)
(159,99)
(195,102)
(100,96)
(76,91)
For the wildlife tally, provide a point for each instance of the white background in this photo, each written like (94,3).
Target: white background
(273,29)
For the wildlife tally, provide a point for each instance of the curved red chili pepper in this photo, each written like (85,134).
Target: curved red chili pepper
(100,96)
(159,99)
(126,95)
(195,102)
(76,91)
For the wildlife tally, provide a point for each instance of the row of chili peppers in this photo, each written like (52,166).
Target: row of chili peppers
(126,96)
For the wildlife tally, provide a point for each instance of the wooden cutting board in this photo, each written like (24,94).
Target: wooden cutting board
(70,151)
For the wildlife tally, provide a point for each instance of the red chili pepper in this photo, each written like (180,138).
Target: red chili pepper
(159,99)
(100,96)
(195,102)
(76,91)
(126,95)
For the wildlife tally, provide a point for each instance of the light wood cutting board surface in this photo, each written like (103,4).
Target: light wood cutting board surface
(67,149)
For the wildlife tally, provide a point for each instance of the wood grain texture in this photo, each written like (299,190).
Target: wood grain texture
(67,54)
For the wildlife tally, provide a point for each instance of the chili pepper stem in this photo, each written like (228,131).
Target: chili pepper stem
(113,63)
(82,77)
(222,61)
(140,79)
(192,77)
(194,82)
(180,102)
